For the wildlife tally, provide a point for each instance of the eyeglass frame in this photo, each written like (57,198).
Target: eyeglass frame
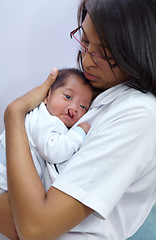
(86,49)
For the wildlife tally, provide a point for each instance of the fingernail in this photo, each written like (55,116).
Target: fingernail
(54,71)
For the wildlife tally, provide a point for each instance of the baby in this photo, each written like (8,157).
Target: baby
(49,125)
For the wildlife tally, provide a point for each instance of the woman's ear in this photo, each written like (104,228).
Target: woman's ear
(47,97)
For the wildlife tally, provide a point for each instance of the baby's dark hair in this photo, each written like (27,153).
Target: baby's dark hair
(64,73)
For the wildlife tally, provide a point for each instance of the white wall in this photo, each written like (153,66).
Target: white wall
(34,37)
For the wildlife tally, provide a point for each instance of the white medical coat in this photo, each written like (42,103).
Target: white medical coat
(114,173)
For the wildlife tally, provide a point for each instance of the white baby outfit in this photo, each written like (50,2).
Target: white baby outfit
(49,139)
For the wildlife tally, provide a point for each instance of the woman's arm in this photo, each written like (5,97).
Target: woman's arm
(7,226)
(37,214)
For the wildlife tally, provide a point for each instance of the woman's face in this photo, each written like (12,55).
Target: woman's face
(98,76)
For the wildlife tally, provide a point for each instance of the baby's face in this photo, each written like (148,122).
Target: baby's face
(70,101)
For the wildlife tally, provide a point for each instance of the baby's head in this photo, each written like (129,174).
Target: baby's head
(69,97)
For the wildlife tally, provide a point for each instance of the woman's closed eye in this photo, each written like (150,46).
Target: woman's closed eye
(107,58)
(100,53)
(84,42)
(106,55)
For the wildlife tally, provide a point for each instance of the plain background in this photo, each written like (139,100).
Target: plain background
(34,38)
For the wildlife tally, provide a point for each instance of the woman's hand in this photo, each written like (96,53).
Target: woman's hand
(7,226)
(33,98)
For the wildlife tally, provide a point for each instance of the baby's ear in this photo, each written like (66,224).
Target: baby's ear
(47,97)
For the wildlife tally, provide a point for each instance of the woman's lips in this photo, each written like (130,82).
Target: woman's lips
(90,76)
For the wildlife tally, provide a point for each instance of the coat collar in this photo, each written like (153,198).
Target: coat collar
(108,95)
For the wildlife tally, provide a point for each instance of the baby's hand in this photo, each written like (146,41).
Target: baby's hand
(85,126)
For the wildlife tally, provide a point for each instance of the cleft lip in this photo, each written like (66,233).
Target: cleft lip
(71,113)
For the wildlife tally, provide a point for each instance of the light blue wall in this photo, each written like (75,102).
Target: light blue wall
(34,37)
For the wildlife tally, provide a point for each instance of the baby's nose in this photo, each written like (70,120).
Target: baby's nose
(72,111)
(74,107)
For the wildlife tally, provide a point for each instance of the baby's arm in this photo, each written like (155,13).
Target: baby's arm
(57,147)
(51,138)
(85,126)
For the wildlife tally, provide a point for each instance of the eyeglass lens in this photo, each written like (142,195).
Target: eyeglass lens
(82,46)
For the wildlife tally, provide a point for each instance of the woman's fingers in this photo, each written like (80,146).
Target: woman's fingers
(47,83)
(38,94)
(33,98)
(50,80)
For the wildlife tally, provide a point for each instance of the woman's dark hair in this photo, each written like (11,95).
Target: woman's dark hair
(128,28)
(63,75)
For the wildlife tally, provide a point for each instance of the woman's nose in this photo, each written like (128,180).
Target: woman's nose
(87,60)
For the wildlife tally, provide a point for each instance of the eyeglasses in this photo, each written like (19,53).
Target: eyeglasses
(81,44)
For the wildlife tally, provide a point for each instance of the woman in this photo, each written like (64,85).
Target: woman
(108,188)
